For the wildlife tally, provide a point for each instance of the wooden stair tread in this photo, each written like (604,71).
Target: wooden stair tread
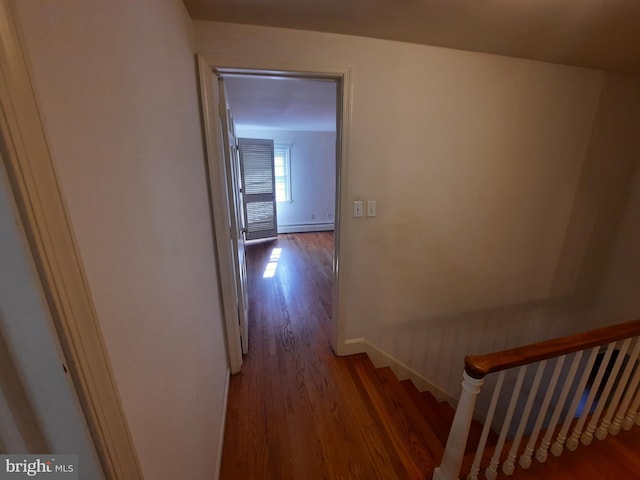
(405,428)
(440,415)
(428,407)
(393,386)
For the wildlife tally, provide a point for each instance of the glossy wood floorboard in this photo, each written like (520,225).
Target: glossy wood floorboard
(295,411)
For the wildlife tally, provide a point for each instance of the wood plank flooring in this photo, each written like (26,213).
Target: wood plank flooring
(296,411)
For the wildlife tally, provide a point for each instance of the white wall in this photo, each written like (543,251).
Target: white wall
(117,87)
(26,331)
(477,163)
(313,177)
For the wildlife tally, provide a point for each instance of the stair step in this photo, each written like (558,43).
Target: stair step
(393,386)
(440,415)
(399,418)
(429,409)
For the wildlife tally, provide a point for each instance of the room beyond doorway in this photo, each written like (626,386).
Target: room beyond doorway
(299,115)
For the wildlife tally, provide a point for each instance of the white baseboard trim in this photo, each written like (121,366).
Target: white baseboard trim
(353,347)
(380,359)
(307,227)
(224,422)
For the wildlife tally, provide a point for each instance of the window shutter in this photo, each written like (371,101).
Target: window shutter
(256,161)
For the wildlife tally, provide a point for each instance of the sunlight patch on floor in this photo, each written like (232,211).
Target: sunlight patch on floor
(270,271)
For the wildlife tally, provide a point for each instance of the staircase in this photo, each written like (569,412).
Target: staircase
(416,423)
(417,427)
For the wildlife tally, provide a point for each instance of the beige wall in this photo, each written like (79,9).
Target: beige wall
(619,297)
(118,93)
(481,167)
(608,204)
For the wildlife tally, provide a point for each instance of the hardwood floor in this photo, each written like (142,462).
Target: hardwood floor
(296,411)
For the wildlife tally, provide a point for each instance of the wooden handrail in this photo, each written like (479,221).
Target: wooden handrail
(479,366)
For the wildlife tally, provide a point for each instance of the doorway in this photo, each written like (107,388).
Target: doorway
(285,133)
(224,196)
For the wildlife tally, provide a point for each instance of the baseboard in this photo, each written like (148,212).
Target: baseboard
(307,227)
(353,347)
(222,425)
(380,359)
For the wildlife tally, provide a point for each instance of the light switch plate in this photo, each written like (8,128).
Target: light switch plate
(357,208)
(371,208)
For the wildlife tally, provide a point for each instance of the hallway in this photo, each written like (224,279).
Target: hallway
(295,411)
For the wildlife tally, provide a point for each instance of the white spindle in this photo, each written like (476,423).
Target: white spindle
(543,449)
(558,445)
(614,429)
(572,443)
(525,459)
(451,464)
(475,467)
(632,413)
(603,429)
(509,463)
(492,470)
(587,436)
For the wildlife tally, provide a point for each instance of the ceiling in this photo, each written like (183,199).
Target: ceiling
(259,102)
(602,34)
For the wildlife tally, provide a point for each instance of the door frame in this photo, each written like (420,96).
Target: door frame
(43,215)
(210,65)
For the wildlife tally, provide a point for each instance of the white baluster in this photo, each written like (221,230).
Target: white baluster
(587,436)
(451,464)
(492,470)
(632,413)
(508,465)
(628,396)
(603,429)
(475,467)
(525,459)
(558,445)
(542,452)
(572,443)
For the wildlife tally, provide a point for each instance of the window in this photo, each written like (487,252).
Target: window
(282,169)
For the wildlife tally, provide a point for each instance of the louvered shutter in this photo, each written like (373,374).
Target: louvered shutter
(258,180)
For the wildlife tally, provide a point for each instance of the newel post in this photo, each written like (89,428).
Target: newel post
(451,464)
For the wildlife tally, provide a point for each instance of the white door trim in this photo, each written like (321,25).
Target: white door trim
(207,64)
(42,212)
